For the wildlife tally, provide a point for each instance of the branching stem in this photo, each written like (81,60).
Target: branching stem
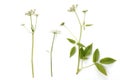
(80,36)
(88,66)
(71,32)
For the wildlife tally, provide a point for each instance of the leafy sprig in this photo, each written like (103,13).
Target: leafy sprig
(84,52)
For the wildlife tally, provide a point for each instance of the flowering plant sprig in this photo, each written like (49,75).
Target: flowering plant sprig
(31,14)
(85,51)
(55,32)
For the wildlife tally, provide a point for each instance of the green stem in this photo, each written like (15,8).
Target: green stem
(88,66)
(31,21)
(32,52)
(51,55)
(35,23)
(32,55)
(84,67)
(80,25)
(78,66)
(81,64)
(84,21)
(70,32)
(78,69)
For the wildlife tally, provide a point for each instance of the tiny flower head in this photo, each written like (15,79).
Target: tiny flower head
(30,13)
(73,8)
(56,32)
(36,15)
(84,11)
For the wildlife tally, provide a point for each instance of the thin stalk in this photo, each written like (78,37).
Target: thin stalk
(84,21)
(36,22)
(80,25)
(31,21)
(88,66)
(78,66)
(32,52)
(32,55)
(70,32)
(81,64)
(78,69)
(33,27)
(51,55)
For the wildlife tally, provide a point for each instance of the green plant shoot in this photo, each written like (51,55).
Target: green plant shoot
(51,51)
(32,14)
(84,52)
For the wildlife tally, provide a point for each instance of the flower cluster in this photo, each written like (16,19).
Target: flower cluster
(56,32)
(31,12)
(73,8)
(84,11)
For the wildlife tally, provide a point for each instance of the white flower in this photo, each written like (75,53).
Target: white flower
(73,8)
(30,13)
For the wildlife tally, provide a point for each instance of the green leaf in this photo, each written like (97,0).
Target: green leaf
(72,52)
(71,40)
(80,44)
(107,60)
(101,68)
(87,25)
(81,53)
(62,24)
(96,55)
(88,50)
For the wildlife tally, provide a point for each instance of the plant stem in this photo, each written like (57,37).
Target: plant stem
(31,21)
(32,52)
(78,66)
(51,54)
(81,64)
(36,23)
(80,25)
(84,21)
(32,55)
(88,66)
(70,32)
(78,69)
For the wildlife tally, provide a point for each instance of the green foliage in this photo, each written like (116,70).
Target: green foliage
(62,24)
(87,25)
(88,50)
(101,68)
(85,51)
(81,53)
(72,52)
(96,55)
(80,44)
(107,60)
(71,40)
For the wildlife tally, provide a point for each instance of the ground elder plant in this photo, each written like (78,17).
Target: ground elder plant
(33,23)
(55,32)
(83,51)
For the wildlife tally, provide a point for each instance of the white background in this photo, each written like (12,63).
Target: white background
(15,41)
